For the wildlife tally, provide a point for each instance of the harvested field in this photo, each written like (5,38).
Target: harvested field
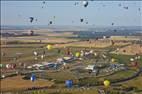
(130,50)
(14,83)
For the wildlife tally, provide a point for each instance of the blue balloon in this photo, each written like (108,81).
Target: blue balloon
(69,83)
(33,77)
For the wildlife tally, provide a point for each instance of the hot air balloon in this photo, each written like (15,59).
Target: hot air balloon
(139,9)
(50,22)
(112,60)
(112,24)
(81,20)
(125,7)
(69,83)
(31,19)
(106,83)
(77,54)
(43,2)
(49,47)
(8,66)
(132,59)
(85,3)
(95,54)
(33,77)
(35,53)
(3,76)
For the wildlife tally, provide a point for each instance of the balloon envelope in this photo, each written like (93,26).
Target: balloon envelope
(31,19)
(85,3)
(112,60)
(77,54)
(106,83)
(33,77)
(69,83)
(49,47)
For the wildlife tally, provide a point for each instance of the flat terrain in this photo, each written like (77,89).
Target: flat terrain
(15,83)
(22,49)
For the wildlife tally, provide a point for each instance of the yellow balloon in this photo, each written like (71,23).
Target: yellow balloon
(77,54)
(112,60)
(49,47)
(106,83)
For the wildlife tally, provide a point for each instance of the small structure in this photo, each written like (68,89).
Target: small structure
(90,67)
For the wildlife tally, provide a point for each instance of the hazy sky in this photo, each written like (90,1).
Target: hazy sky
(66,13)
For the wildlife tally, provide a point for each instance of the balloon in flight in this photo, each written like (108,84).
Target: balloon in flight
(85,3)
(31,19)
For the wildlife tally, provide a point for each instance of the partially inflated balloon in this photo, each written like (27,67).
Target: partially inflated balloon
(106,83)
(49,47)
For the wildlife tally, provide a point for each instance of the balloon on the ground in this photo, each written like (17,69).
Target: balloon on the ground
(106,83)
(112,60)
(69,83)
(49,47)
(33,77)
(77,54)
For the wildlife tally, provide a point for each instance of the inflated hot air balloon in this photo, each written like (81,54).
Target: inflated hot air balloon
(33,77)
(106,83)
(35,53)
(131,59)
(112,24)
(85,3)
(3,76)
(112,60)
(50,22)
(31,19)
(81,20)
(44,2)
(126,8)
(77,54)
(69,83)
(49,47)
